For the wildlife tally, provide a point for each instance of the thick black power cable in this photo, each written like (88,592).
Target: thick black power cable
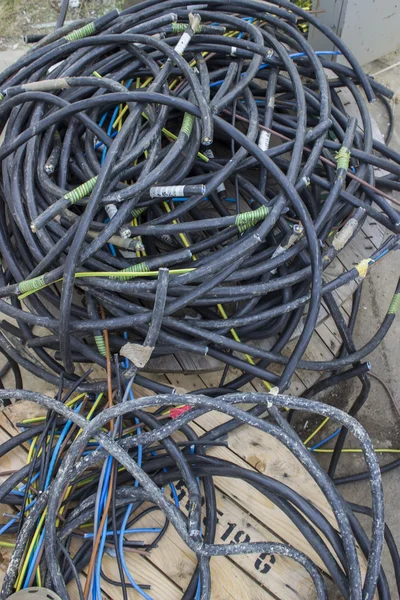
(58,124)
(124,141)
(159,470)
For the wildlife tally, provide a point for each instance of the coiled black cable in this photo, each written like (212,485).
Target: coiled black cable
(127,125)
(160,469)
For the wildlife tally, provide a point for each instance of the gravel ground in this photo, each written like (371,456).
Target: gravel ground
(20,17)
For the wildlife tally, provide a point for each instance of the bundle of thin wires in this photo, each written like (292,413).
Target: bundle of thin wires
(207,141)
(97,471)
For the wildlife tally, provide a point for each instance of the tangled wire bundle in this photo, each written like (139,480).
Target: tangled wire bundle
(93,488)
(208,141)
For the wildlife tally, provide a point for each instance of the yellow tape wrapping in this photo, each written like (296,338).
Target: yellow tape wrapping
(363,267)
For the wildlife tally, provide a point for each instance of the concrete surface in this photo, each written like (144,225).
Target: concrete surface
(381,415)
(8,57)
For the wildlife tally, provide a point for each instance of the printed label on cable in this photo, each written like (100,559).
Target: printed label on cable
(111,210)
(263,140)
(182,44)
(168,191)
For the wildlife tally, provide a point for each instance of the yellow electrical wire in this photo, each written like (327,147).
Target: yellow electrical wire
(166,132)
(125,109)
(314,433)
(69,404)
(22,572)
(220,307)
(39,527)
(357,450)
(88,417)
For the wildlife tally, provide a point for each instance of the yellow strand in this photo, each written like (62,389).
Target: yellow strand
(30,551)
(314,433)
(357,450)
(220,307)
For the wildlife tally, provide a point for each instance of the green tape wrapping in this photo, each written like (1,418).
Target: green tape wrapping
(82,32)
(248,219)
(31,284)
(187,124)
(136,212)
(101,344)
(133,269)
(394,305)
(1,96)
(81,191)
(181,28)
(343,158)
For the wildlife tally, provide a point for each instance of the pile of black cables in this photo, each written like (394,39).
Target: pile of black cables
(206,140)
(97,468)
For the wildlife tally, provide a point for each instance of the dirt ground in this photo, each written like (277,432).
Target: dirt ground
(22,17)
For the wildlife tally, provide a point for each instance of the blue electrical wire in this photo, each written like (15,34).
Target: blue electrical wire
(381,255)
(53,461)
(127,531)
(11,522)
(129,509)
(122,554)
(57,447)
(33,559)
(327,439)
(21,490)
(198,590)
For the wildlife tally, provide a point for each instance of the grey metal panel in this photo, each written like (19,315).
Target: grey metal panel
(332,15)
(369,27)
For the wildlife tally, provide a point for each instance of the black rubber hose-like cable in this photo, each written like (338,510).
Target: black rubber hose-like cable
(33,135)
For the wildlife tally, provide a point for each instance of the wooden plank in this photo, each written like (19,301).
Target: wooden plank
(144,572)
(161,364)
(374,231)
(317,350)
(191,363)
(247,577)
(255,450)
(235,525)
(228,581)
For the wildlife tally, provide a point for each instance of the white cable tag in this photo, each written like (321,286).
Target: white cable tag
(111,210)
(264,139)
(183,43)
(279,249)
(167,191)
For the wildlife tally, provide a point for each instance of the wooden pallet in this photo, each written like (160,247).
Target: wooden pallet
(243,513)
